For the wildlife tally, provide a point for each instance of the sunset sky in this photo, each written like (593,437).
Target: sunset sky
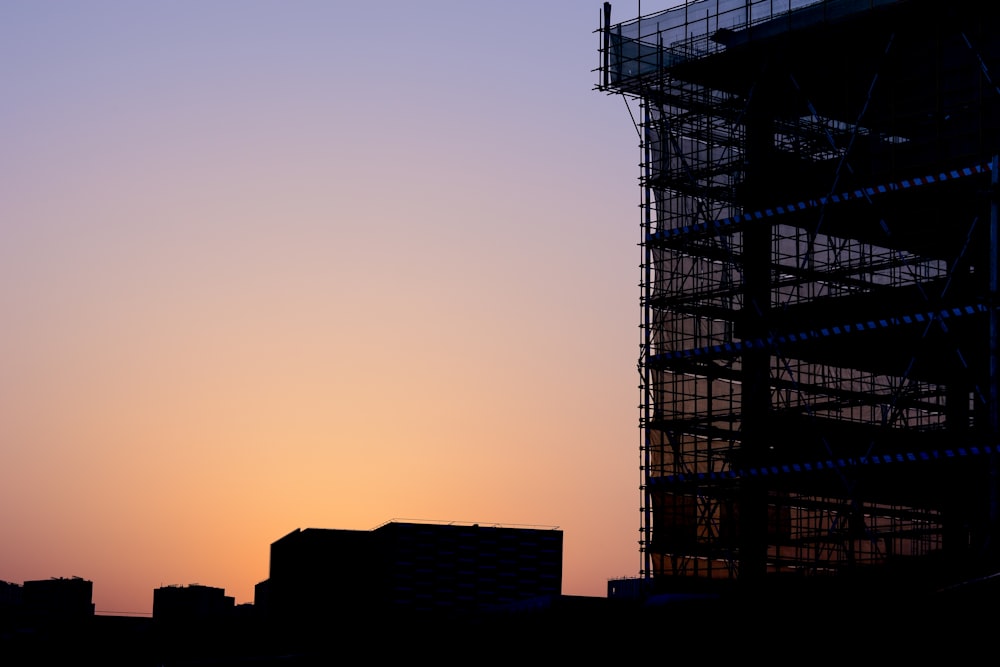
(292,264)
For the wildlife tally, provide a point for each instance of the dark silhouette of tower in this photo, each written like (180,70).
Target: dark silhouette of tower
(819,353)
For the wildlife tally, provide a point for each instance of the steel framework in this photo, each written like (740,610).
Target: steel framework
(819,334)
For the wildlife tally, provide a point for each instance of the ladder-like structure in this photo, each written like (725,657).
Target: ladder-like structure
(819,358)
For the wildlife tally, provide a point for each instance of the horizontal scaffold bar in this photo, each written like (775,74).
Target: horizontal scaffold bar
(825,465)
(728,350)
(728,225)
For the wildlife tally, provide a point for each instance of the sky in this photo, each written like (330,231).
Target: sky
(310,264)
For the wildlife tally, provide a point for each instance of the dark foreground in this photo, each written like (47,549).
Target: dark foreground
(957,628)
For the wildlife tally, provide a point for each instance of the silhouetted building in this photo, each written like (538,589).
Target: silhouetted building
(261,597)
(629,588)
(10,604)
(821,349)
(316,573)
(191,604)
(58,600)
(10,595)
(402,567)
(445,567)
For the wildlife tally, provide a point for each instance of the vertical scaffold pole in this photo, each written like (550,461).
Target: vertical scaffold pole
(648,390)
(994,430)
(607,44)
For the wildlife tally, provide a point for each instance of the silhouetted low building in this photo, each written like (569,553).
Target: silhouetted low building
(318,575)
(58,599)
(10,605)
(10,594)
(261,597)
(315,573)
(445,567)
(191,604)
(629,588)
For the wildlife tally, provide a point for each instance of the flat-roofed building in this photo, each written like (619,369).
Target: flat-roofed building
(399,567)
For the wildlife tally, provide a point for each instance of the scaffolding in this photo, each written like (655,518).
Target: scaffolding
(819,352)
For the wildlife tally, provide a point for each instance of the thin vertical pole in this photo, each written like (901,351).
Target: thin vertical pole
(994,419)
(650,392)
(994,280)
(607,44)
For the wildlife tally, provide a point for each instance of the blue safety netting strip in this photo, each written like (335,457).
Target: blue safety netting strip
(831,464)
(860,194)
(810,335)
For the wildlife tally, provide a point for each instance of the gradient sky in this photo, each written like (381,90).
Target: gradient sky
(279,265)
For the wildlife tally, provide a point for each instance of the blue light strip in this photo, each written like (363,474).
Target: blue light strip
(828,464)
(860,194)
(730,349)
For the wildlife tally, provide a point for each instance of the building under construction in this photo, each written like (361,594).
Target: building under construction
(819,353)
